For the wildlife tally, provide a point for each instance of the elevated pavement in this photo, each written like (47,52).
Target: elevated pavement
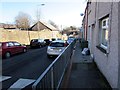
(83,72)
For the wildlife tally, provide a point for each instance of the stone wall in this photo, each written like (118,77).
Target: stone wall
(24,37)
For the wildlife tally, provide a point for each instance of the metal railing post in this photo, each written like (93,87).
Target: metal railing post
(33,87)
(52,79)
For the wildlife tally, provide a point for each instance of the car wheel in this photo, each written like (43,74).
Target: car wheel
(31,46)
(48,56)
(40,46)
(7,55)
(24,50)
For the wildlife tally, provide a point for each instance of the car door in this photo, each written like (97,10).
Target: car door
(10,48)
(18,47)
(0,49)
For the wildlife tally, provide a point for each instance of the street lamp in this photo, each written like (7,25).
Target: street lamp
(39,11)
(81,14)
(38,16)
(81,29)
(42,4)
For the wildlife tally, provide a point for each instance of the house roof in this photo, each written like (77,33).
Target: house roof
(7,26)
(52,28)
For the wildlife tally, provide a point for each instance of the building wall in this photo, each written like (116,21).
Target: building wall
(119,45)
(107,63)
(24,37)
(91,13)
(91,21)
(54,34)
(85,22)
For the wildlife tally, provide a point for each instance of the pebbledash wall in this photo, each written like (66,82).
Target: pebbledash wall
(108,63)
(24,37)
(119,45)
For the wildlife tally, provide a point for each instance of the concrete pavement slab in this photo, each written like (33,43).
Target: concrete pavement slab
(84,72)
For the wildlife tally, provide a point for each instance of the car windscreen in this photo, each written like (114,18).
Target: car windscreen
(47,40)
(71,39)
(34,40)
(40,40)
(57,44)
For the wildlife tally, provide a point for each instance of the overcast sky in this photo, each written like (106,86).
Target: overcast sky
(65,13)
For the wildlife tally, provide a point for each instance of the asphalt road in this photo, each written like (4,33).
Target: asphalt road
(29,65)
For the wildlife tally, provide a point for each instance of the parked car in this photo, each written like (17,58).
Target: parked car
(47,41)
(0,50)
(70,40)
(55,48)
(37,43)
(53,39)
(10,48)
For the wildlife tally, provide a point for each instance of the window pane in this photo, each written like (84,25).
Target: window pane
(104,23)
(0,44)
(10,44)
(104,37)
(17,44)
(34,40)
(57,44)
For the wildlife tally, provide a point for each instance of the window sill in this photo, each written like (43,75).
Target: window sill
(102,49)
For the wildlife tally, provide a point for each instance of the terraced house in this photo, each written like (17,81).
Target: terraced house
(101,25)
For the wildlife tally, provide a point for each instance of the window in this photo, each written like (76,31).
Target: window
(40,40)
(57,44)
(10,44)
(0,44)
(34,40)
(104,24)
(17,44)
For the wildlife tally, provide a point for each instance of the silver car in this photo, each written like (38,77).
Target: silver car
(55,48)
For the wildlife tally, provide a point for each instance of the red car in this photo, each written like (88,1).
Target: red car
(11,48)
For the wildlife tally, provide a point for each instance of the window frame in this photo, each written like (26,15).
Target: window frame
(104,27)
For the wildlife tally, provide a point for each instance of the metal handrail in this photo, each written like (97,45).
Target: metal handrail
(52,68)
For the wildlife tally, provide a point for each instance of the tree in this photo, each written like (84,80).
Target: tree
(23,20)
(68,30)
(73,27)
(53,24)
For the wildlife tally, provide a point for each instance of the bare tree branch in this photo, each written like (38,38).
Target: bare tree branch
(53,24)
(23,20)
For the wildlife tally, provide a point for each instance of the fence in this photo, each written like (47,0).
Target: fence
(52,77)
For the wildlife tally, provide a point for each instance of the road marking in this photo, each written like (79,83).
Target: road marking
(21,83)
(2,78)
